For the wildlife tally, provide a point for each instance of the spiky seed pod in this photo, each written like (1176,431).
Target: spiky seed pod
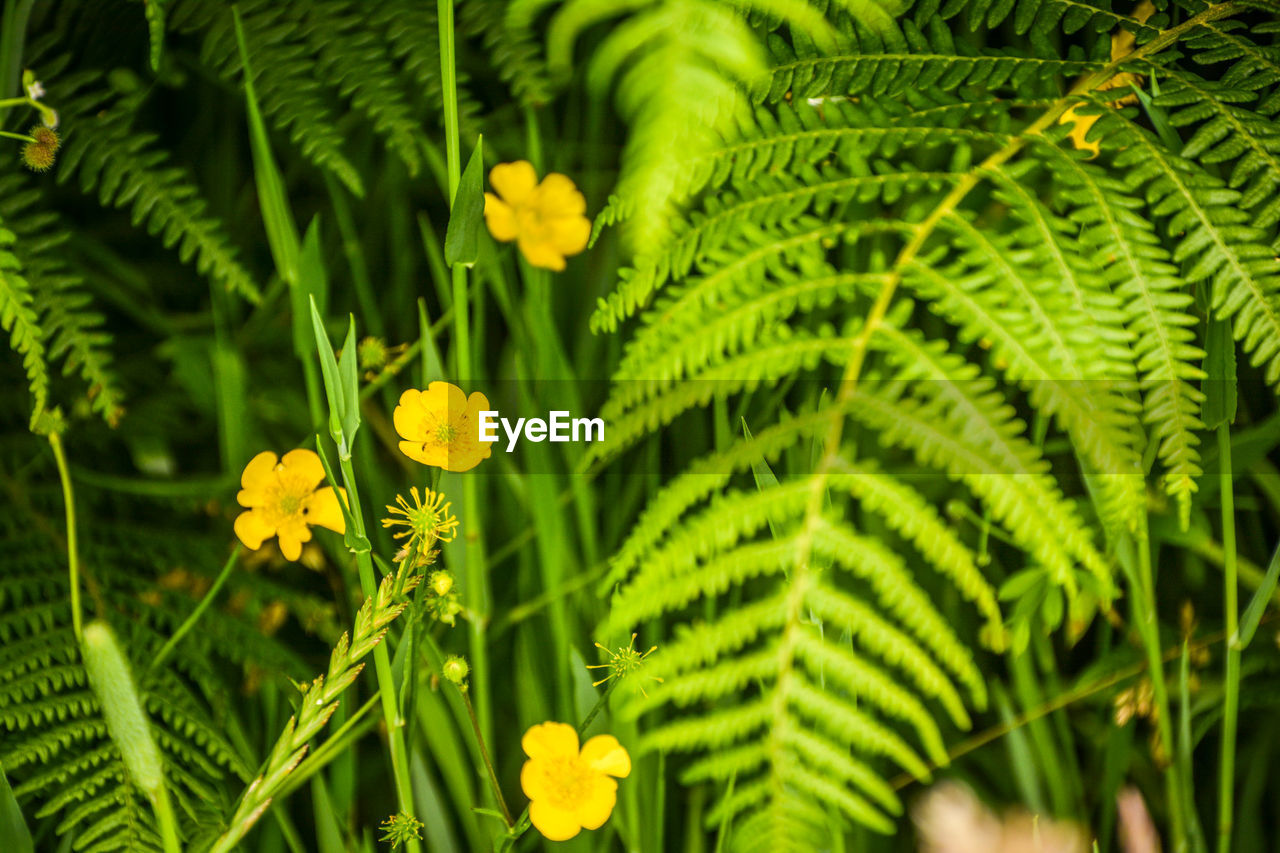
(127,724)
(456,670)
(39,155)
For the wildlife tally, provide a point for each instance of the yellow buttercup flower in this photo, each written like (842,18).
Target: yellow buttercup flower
(545,219)
(441,426)
(570,790)
(283,501)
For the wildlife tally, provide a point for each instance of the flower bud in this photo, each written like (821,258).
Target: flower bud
(441,582)
(456,670)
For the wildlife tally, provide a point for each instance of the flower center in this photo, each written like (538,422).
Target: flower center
(569,782)
(529,221)
(445,433)
(289,504)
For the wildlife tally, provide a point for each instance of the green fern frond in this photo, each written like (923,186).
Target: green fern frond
(72,329)
(126,169)
(512,47)
(21,321)
(55,745)
(1141,272)
(355,61)
(1216,237)
(1038,19)
(291,96)
(924,59)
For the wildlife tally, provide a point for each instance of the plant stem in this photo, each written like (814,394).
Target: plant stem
(168,824)
(73,555)
(488,762)
(191,620)
(1144,611)
(476,589)
(19,136)
(1226,782)
(381,659)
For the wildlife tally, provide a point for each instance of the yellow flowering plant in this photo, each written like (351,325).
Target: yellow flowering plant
(545,219)
(570,789)
(440,426)
(282,500)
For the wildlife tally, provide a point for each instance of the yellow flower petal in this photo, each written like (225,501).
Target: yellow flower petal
(407,416)
(500,218)
(535,778)
(513,181)
(540,253)
(604,754)
(322,508)
(569,234)
(598,803)
(304,465)
(476,404)
(556,824)
(447,399)
(558,196)
(253,528)
(292,535)
(415,451)
(258,474)
(550,740)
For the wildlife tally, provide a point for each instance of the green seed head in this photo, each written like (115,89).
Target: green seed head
(112,684)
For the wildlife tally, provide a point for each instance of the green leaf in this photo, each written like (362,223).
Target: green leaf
(1220,383)
(462,237)
(1258,604)
(14,835)
(348,373)
(332,378)
(282,233)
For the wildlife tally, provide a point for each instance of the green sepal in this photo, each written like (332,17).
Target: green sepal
(462,237)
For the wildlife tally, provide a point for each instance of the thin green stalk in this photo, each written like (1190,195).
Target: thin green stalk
(1231,704)
(191,620)
(168,823)
(381,659)
(73,553)
(1144,607)
(449,84)
(19,136)
(476,589)
(484,756)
